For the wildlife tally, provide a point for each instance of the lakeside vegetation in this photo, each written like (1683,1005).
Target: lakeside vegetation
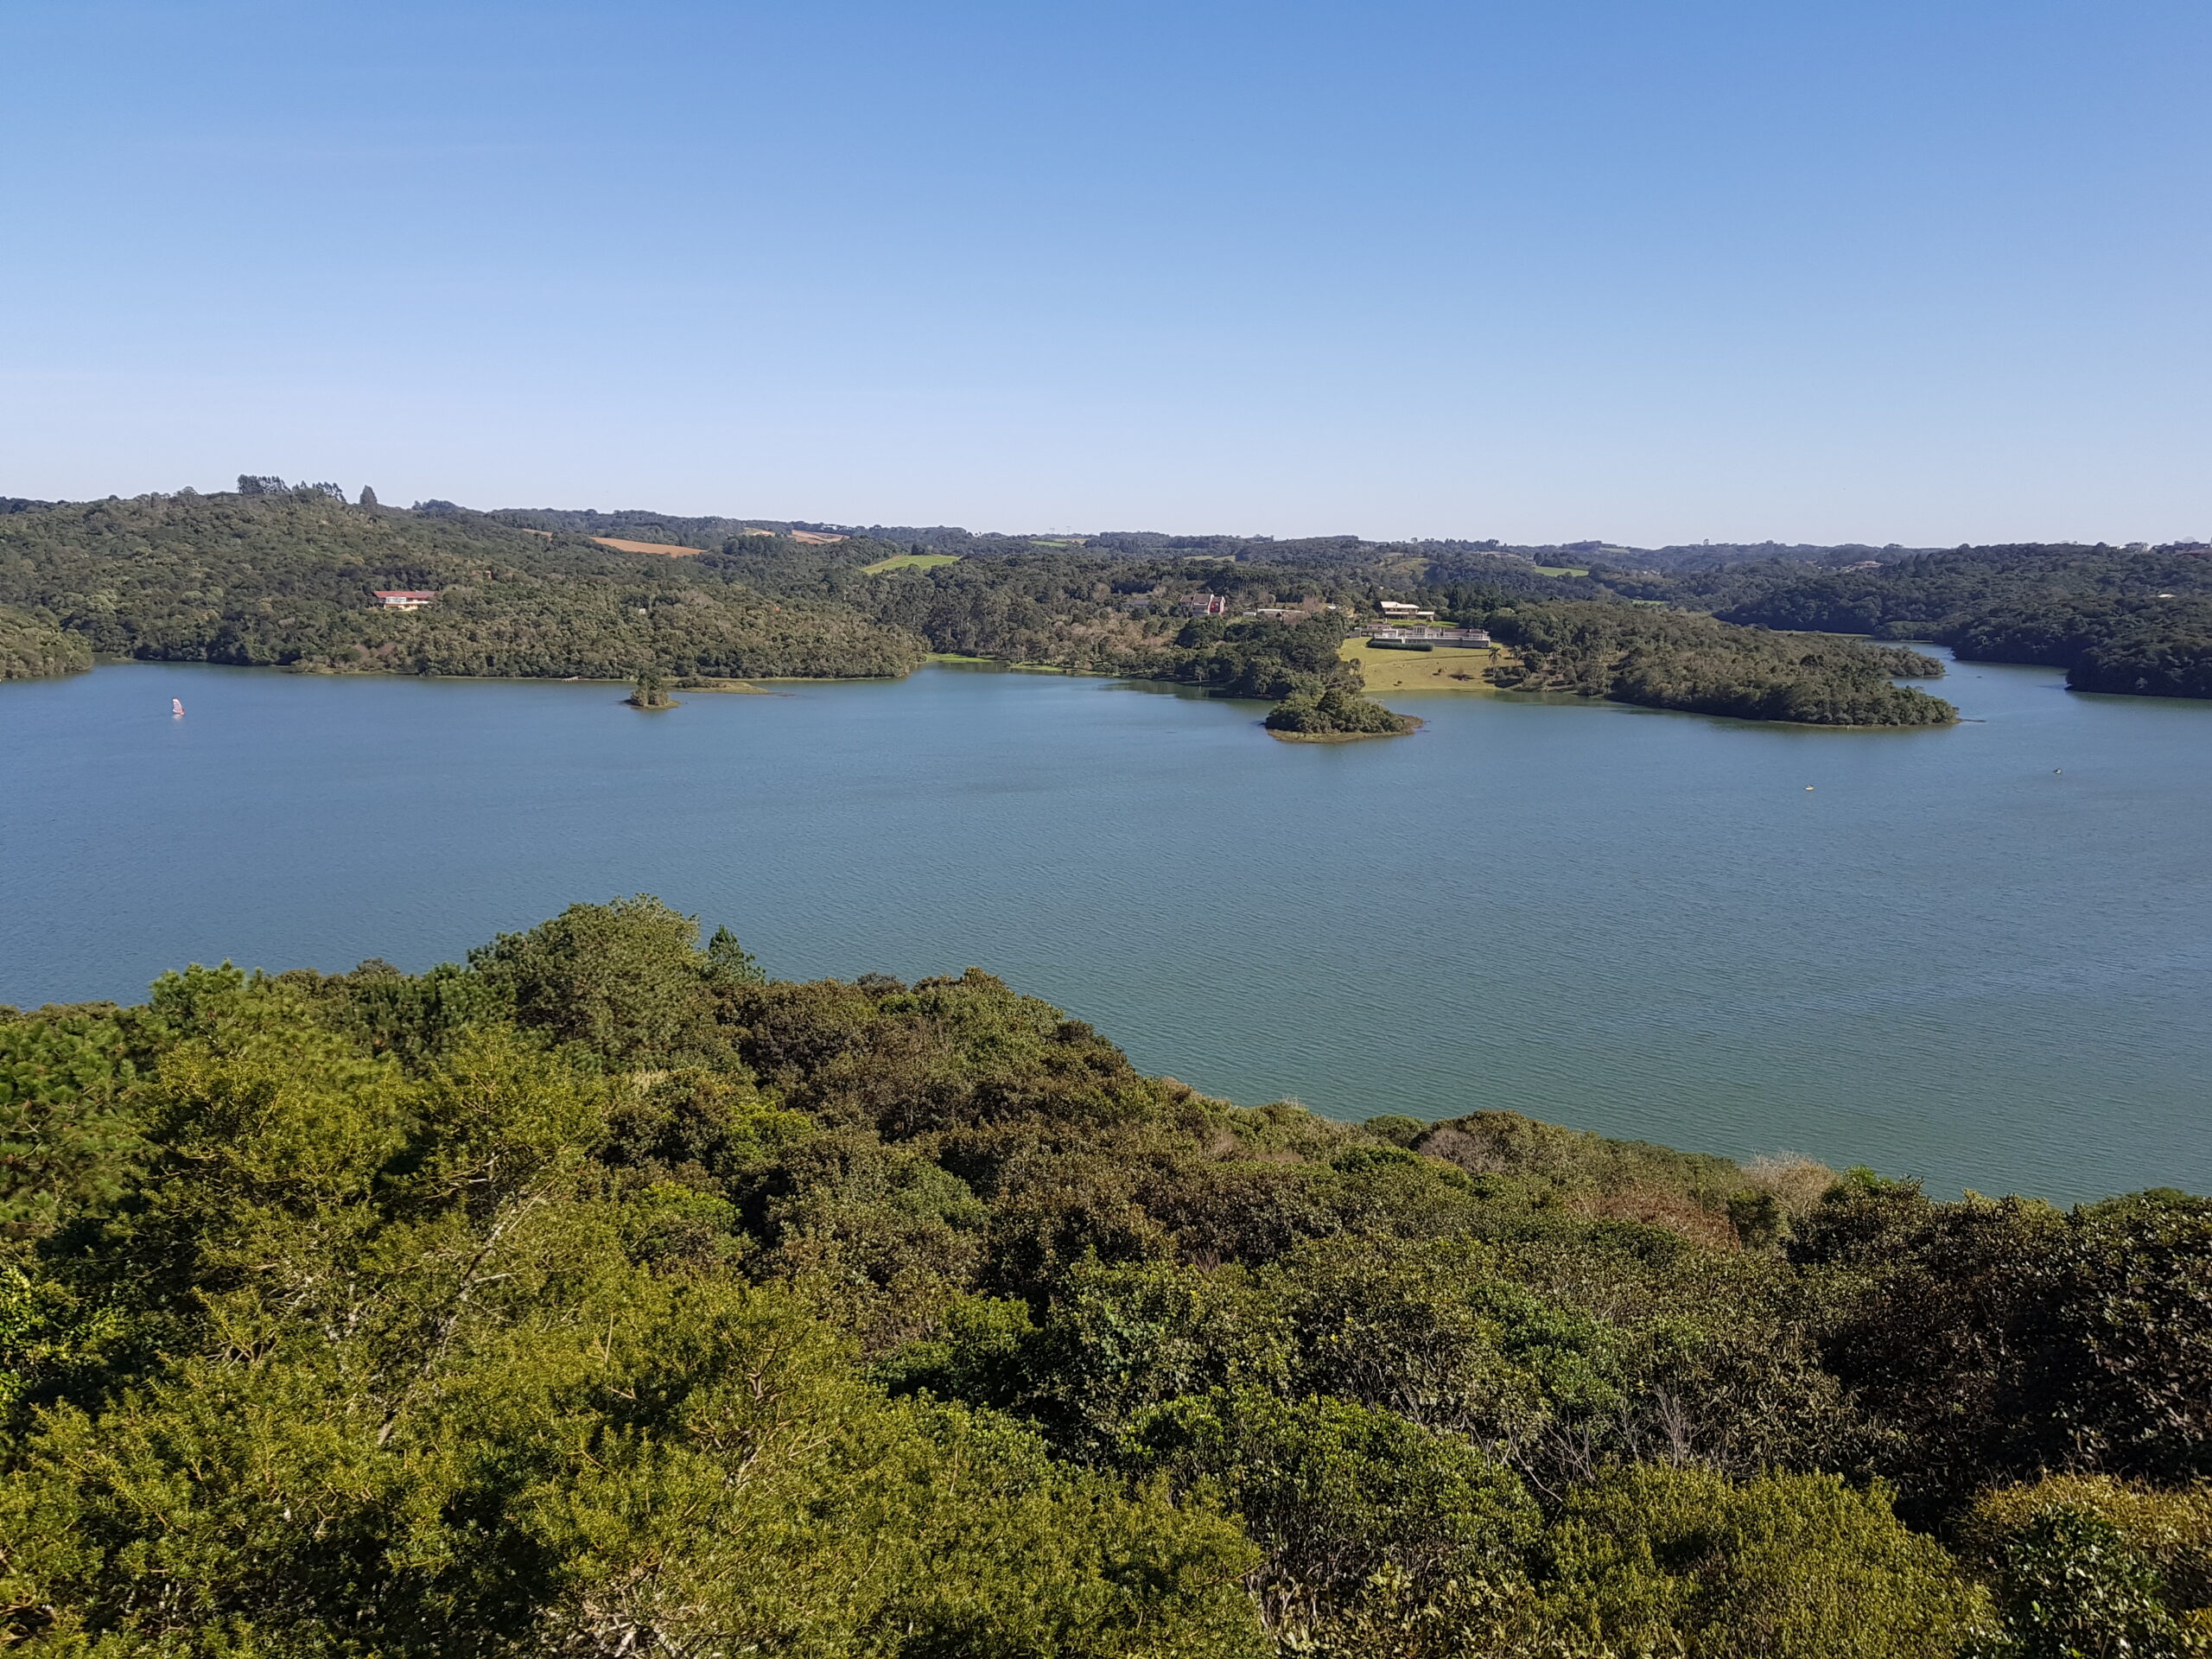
(281,575)
(1671,659)
(285,578)
(32,648)
(2136,622)
(1335,714)
(602,1296)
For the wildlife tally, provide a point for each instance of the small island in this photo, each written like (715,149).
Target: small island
(1334,715)
(650,692)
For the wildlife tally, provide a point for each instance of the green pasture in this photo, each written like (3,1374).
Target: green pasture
(909,561)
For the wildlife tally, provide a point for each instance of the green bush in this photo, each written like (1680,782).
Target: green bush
(1657,1560)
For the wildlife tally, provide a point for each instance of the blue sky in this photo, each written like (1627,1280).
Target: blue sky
(1921,272)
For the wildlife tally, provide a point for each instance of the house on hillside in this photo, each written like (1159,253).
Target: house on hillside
(404,599)
(1206,604)
(1397,611)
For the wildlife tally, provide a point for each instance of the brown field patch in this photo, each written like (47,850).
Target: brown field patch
(667,548)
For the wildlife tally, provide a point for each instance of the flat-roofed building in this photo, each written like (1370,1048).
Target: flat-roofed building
(1473,639)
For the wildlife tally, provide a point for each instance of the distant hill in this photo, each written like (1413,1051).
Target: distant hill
(287,578)
(285,575)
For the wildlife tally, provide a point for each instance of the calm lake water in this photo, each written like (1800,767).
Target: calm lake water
(1977,954)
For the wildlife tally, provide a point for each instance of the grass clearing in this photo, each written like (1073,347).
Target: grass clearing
(1448,667)
(668,550)
(1562,570)
(909,561)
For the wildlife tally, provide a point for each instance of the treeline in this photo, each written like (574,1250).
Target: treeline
(603,1296)
(2156,647)
(1120,616)
(1670,659)
(1090,615)
(1293,663)
(285,578)
(279,575)
(2138,622)
(32,648)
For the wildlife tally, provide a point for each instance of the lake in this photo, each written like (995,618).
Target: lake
(1977,954)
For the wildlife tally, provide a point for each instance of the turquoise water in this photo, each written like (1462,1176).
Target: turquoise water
(1977,954)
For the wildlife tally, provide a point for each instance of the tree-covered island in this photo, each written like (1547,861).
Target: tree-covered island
(603,1297)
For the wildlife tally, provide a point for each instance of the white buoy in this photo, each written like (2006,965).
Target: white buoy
(176,707)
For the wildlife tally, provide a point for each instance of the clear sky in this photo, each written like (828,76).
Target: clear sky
(1912,271)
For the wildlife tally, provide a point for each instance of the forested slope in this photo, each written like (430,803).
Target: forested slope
(287,578)
(283,576)
(1670,659)
(32,648)
(601,1297)
(2138,622)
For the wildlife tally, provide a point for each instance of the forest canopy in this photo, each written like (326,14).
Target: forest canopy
(605,1296)
(2132,621)
(1671,659)
(32,648)
(283,576)
(287,578)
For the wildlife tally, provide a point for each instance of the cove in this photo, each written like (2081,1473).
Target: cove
(1978,955)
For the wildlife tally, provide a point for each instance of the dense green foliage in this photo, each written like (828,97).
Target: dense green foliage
(287,578)
(1913,597)
(1670,659)
(2138,622)
(2159,647)
(281,575)
(604,1297)
(32,648)
(1336,712)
